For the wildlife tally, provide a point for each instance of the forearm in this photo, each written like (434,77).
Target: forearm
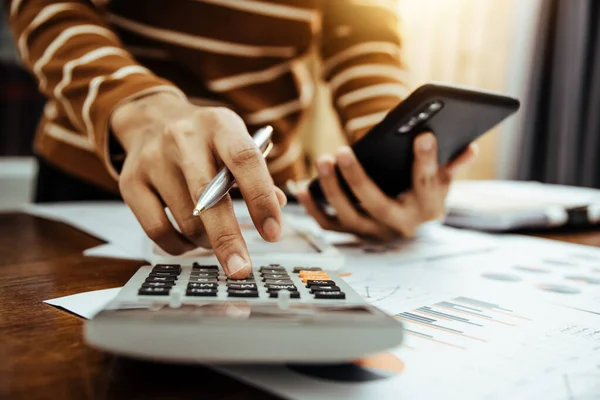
(80,64)
(361,51)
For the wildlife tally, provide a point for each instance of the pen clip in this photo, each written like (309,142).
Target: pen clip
(267,149)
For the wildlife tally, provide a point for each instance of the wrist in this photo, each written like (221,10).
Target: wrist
(144,115)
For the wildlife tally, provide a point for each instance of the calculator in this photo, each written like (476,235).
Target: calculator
(194,313)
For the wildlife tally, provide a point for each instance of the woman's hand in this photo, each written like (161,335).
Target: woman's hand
(174,149)
(384,217)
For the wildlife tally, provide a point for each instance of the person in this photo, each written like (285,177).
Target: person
(147,100)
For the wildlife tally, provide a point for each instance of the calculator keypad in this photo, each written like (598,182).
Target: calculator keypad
(160,281)
(265,282)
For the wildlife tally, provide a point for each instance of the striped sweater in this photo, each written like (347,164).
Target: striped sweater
(90,56)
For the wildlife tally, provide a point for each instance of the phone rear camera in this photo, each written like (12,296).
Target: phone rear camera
(423,116)
(435,106)
(405,128)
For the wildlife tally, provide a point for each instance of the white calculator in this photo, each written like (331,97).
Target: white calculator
(193,313)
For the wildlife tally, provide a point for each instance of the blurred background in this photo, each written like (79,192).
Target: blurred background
(545,52)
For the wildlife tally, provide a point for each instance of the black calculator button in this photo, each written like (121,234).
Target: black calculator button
(204,280)
(242,286)
(315,282)
(272,271)
(167,268)
(173,274)
(229,280)
(154,291)
(274,288)
(314,289)
(293,295)
(203,285)
(275,276)
(272,267)
(243,293)
(201,292)
(158,284)
(161,279)
(298,269)
(204,274)
(205,270)
(278,282)
(330,294)
(200,266)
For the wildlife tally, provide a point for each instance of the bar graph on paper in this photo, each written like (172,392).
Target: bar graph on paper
(447,337)
(458,323)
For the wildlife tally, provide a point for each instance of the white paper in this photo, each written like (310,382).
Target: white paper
(112,222)
(109,250)
(85,304)
(432,241)
(557,272)
(515,349)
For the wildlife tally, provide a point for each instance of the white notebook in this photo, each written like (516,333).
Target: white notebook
(510,205)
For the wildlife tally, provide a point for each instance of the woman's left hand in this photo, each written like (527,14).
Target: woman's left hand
(384,217)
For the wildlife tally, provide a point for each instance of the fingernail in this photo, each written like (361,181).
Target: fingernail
(236,264)
(271,229)
(324,168)
(344,157)
(292,187)
(426,142)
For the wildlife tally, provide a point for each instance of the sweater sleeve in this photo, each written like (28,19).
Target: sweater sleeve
(362,64)
(80,64)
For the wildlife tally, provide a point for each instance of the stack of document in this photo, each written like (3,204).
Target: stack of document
(115,224)
(512,205)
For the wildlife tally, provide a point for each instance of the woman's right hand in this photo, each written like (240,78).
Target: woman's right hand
(173,150)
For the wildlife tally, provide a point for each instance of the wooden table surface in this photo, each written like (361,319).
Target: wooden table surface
(42,354)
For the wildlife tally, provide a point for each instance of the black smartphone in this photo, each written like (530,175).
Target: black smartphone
(455,115)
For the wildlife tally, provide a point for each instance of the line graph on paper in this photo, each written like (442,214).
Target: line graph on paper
(376,294)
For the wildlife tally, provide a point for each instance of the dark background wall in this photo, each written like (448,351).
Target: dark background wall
(20,102)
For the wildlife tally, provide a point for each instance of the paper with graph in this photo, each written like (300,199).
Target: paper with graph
(458,344)
(467,337)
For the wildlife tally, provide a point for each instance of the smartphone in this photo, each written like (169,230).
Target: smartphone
(455,115)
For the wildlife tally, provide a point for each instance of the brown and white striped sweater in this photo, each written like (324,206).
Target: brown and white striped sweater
(90,56)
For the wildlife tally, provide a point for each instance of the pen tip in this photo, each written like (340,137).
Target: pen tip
(198,211)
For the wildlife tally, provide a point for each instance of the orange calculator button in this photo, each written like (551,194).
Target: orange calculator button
(315,278)
(304,274)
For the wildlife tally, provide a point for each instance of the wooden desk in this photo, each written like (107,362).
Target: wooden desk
(42,354)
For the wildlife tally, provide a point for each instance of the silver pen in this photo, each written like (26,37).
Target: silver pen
(224,180)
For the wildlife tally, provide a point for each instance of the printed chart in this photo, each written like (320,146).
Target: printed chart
(557,272)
